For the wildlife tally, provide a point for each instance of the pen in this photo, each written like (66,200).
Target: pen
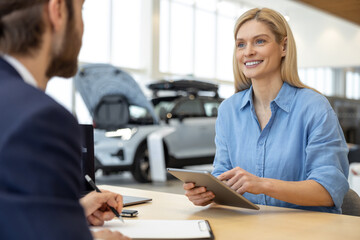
(91,182)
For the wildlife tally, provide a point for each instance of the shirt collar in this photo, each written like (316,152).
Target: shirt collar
(21,69)
(284,98)
(248,98)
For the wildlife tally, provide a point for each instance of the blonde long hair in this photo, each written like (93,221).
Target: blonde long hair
(280,28)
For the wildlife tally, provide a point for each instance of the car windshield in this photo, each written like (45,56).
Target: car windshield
(186,107)
(190,107)
(211,108)
(164,107)
(140,115)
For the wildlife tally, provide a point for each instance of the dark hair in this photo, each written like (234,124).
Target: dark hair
(22,25)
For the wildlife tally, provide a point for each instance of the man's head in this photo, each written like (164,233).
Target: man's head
(25,26)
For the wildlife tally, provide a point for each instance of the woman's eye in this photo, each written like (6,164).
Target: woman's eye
(241,45)
(260,41)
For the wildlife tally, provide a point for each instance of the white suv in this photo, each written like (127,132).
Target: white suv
(190,107)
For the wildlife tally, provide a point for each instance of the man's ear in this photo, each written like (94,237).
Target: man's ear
(57,14)
(284,47)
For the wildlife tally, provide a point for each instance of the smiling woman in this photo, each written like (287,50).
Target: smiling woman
(258,53)
(272,145)
(270,28)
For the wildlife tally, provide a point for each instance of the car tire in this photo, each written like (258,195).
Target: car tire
(141,166)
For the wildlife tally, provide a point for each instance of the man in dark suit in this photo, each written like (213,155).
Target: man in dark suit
(39,139)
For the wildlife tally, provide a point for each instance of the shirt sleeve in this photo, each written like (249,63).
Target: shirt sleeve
(222,160)
(326,156)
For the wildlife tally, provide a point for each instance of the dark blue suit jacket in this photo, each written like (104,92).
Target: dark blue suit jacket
(39,164)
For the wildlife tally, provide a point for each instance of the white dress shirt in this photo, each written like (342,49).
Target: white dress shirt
(21,69)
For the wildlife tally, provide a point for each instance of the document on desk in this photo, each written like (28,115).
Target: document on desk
(160,229)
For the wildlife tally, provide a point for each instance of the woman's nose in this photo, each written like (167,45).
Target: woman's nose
(249,50)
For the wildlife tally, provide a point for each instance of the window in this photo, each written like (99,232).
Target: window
(140,115)
(96,38)
(204,51)
(196,37)
(211,108)
(189,108)
(225,48)
(322,79)
(163,107)
(113,33)
(126,33)
(181,35)
(353,84)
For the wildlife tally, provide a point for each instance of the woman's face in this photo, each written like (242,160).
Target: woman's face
(257,52)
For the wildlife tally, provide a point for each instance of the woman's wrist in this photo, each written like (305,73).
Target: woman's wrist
(267,186)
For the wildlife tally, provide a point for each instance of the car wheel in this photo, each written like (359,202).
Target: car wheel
(141,166)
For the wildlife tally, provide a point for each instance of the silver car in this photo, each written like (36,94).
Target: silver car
(192,142)
(122,124)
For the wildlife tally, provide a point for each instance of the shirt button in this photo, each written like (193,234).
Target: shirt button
(261,143)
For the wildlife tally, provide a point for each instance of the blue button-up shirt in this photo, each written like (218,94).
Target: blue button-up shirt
(302,141)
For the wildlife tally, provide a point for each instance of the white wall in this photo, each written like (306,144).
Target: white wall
(323,40)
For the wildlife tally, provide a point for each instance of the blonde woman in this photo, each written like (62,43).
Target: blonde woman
(278,142)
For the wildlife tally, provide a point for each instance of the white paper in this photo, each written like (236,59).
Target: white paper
(158,229)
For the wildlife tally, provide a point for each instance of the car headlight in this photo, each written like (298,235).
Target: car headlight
(123,133)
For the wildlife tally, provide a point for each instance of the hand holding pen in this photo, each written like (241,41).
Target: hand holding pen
(96,205)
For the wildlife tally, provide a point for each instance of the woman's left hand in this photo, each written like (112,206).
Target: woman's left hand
(242,181)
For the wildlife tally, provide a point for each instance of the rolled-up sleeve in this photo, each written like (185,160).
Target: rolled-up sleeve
(326,156)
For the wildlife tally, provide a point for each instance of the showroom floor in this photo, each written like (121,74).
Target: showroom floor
(125,179)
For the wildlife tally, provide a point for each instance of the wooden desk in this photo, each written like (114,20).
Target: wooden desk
(237,223)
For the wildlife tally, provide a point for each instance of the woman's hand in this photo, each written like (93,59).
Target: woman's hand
(96,206)
(303,193)
(199,196)
(242,181)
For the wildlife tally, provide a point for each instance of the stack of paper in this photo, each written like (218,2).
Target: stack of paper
(160,229)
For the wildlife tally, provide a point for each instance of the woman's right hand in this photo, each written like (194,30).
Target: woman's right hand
(199,196)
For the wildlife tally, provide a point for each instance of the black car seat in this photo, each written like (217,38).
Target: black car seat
(112,112)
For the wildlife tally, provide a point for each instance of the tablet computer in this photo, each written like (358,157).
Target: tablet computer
(224,195)
(131,200)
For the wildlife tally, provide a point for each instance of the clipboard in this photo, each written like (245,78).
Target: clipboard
(160,229)
(224,195)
